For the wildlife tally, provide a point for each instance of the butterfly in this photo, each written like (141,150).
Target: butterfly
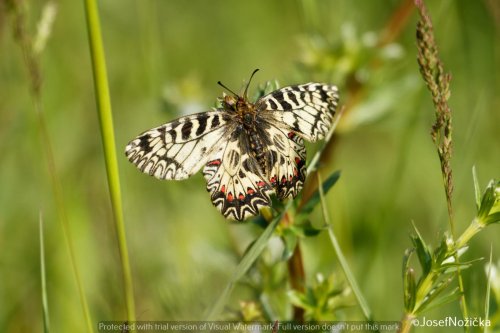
(248,151)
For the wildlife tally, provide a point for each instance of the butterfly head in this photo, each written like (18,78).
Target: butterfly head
(236,102)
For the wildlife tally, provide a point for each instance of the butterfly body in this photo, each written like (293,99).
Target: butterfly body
(247,150)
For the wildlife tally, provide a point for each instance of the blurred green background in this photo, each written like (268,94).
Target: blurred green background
(164,59)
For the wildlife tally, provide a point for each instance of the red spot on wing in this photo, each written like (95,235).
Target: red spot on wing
(223,189)
(297,160)
(214,162)
(250,191)
(273,180)
(241,196)
(290,178)
(283,180)
(295,172)
(260,183)
(230,197)
(291,135)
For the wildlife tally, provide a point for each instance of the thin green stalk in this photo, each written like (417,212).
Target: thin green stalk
(438,83)
(45,303)
(488,291)
(340,255)
(406,323)
(33,68)
(108,140)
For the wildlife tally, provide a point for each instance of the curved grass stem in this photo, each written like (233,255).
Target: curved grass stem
(340,255)
(108,140)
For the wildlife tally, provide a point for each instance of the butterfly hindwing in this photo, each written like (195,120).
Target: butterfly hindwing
(236,185)
(287,155)
(178,149)
(306,109)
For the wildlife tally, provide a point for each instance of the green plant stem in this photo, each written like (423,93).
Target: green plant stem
(406,323)
(33,68)
(108,139)
(471,230)
(45,303)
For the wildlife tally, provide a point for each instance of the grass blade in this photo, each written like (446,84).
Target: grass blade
(244,265)
(342,260)
(32,64)
(108,140)
(477,188)
(45,303)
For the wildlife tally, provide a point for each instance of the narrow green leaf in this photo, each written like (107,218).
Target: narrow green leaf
(300,300)
(409,284)
(443,251)
(450,267)
(492,218)
(423,253)
(340,255)
(248,259)
(306,229)
(45,303)
(409,290)
(308,207)
(290,239)
(453,296)
(477,187)
(488,200)
(435,292)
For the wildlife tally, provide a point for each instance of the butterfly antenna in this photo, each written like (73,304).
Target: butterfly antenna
(223,86)
(248,84)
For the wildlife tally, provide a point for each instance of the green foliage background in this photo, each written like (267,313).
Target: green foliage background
(164,59)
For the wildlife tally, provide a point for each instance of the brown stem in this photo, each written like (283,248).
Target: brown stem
(297,279)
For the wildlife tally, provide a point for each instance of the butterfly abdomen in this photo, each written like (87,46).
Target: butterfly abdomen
(257,149)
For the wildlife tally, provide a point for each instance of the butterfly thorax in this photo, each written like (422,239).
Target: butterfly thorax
(246,116)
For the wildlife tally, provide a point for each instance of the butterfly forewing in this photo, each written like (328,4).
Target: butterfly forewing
(307,109)
(178,149)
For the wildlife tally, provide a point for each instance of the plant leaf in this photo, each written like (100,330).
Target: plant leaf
(450,297)
(477,188)
(435,292)
(306,229)
(423,253)
(493,218)
(314,199)
(290,240)
(409,284)
(488,200)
